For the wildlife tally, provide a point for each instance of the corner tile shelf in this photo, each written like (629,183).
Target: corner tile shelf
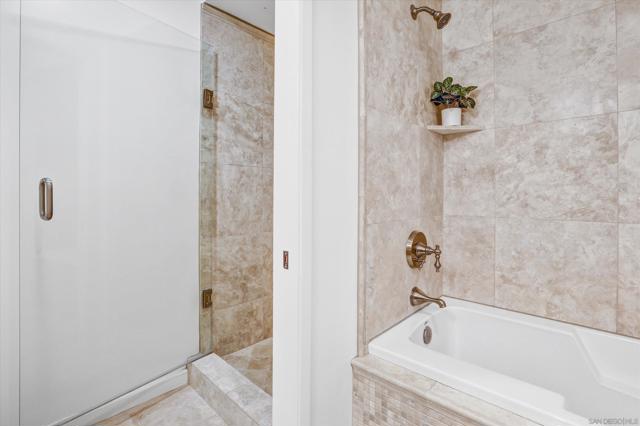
(452,130)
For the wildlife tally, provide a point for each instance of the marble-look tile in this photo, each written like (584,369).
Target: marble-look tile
(558,170)
(237,327)
(243,201)
(183,408)
(267,315)
(267,107)
(403,58)
(474,67)
(255,363)
(560,270)
(254,401)
(469,168)
(475,408)
(560,70)
(629,167)
(268,61)
(240,401)
(239,132)
(241,275)
(267,199)
(392,390)
(512,16)
(628,16)
(208,120)
(207,386)
(392,161)
(470,24)
(241,65)
(431,165)
(207,193)
(267,140)
(394,373)
(205,330)
(220,373)
(388,277)
(629,281)
(468,253)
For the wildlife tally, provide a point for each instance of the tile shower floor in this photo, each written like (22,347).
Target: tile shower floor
(255,363)
(183,407)
(221,383)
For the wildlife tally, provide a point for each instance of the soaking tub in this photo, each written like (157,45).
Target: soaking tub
(550,372)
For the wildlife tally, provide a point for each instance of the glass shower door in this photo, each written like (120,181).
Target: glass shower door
(109,243)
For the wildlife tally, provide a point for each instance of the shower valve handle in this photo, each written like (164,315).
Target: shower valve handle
(417,251)
(437,252)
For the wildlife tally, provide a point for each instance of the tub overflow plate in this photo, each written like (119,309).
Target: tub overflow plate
(427,334)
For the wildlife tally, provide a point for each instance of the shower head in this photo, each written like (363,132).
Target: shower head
(441,18)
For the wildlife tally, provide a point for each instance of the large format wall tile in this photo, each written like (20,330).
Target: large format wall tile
(207,192)
(243,201)
(629,168)
(243,269)
(558,170)
(469,174)
(389,278)
(430,173)
(238,326)
(474,67)
(560,270)
(402,60)
(628,16)
(629,284)
(560,70)
(236,183)
(512,16)
(239,132)
(470,24)
(392,166)
(468,258)
(401,162)
(240,59)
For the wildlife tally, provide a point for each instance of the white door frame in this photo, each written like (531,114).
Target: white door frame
(292,213)
(9,212)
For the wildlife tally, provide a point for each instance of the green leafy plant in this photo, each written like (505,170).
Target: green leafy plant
(452,95)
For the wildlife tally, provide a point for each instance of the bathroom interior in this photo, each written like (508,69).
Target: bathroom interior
(402,212)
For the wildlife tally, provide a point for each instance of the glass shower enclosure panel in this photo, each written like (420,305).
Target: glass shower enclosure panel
(109,204)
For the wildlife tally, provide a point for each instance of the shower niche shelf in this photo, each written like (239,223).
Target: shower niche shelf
(453,130)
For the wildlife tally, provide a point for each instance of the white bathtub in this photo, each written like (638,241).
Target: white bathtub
(550,372)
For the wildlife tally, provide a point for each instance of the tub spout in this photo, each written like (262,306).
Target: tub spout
(419,297)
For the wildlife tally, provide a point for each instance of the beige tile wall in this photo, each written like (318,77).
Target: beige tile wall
(236,180)
(401,162)
(542,208)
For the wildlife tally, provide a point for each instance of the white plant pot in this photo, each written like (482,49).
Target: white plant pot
(452,117)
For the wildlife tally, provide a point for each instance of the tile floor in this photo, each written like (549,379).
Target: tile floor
(181,408)
(230,384)
(255,363)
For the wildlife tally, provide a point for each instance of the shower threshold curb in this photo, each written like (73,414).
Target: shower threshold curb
(235,398)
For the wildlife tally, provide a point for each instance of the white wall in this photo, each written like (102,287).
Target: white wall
(335,209)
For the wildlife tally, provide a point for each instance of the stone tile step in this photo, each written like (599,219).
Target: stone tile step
(235,398)
(182,407)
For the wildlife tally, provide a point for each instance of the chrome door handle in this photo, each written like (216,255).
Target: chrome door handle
(46,198)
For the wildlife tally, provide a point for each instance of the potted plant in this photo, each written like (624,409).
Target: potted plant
(453,98)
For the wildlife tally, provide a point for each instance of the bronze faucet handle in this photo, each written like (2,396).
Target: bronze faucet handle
(437,252)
